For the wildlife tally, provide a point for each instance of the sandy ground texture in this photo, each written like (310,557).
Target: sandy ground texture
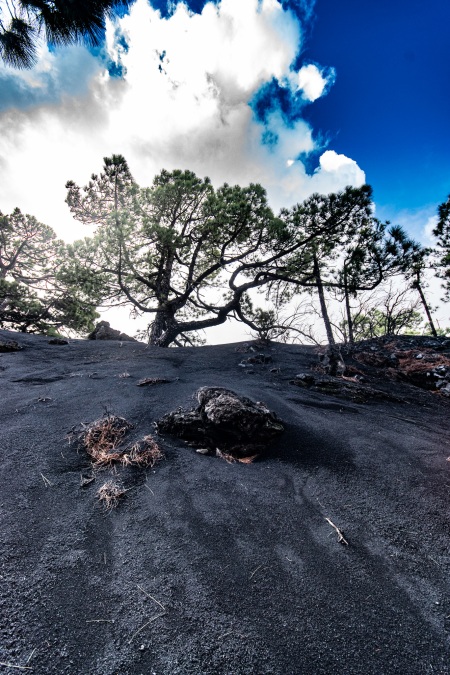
(209,567)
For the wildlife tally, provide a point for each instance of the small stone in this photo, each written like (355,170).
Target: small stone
(202,451)
(306,378)
(260,358)
(58,341)
(419,356)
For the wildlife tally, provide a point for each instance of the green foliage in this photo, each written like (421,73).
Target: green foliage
(36,293)
(62,21)
(442,232)
(394,310)
(267,325)
(168,249)
(378,322)
(187,254)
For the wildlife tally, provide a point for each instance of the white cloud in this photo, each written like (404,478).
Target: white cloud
(335,171)
(311,82)
(428,238)
(183,103)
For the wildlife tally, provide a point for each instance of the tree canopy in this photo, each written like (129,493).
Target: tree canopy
(188,254)
(62,22)
(35,295)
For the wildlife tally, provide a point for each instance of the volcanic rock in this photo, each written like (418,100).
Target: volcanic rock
(224,420)
(103,331)
(9,346)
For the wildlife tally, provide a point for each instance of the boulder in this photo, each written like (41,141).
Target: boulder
(103,331)
(225,421)
(9,346)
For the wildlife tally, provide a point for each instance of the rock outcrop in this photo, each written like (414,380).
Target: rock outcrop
(224,421)
(103,331)
(418,360)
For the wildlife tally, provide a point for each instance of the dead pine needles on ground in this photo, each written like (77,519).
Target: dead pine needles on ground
(103,442)
(102,438)
(144,453)
(110,494)
(232,459)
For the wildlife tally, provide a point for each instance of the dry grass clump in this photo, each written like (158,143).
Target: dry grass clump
(144,453)
(101,439)
(110,493)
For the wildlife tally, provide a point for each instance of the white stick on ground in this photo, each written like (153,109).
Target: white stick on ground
(341,538)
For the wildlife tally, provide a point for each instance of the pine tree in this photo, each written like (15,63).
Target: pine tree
(442,232)
(63,22)
(35,293)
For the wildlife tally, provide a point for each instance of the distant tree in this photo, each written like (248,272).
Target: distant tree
(413,265)
(266,324)
(62,22)
(296,325)
(392,310)
(336,217)
(356,256)
(442,232)
(189,254)
(418,268)
(375,253)
(35,295)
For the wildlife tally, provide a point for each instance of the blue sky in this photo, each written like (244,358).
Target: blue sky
(389,108)
(299,95)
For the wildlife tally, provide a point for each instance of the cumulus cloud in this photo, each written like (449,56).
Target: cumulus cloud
(335,169)
(183,99)
(312,82)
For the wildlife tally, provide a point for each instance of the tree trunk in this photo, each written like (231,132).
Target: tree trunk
(351,337)
(418,286)
(323,304)
(165,316)
(169,334)
(164,328)
(158,327)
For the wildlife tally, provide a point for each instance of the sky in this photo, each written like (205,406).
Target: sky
(301,96)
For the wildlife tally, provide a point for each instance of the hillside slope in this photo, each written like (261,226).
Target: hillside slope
(209,567)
